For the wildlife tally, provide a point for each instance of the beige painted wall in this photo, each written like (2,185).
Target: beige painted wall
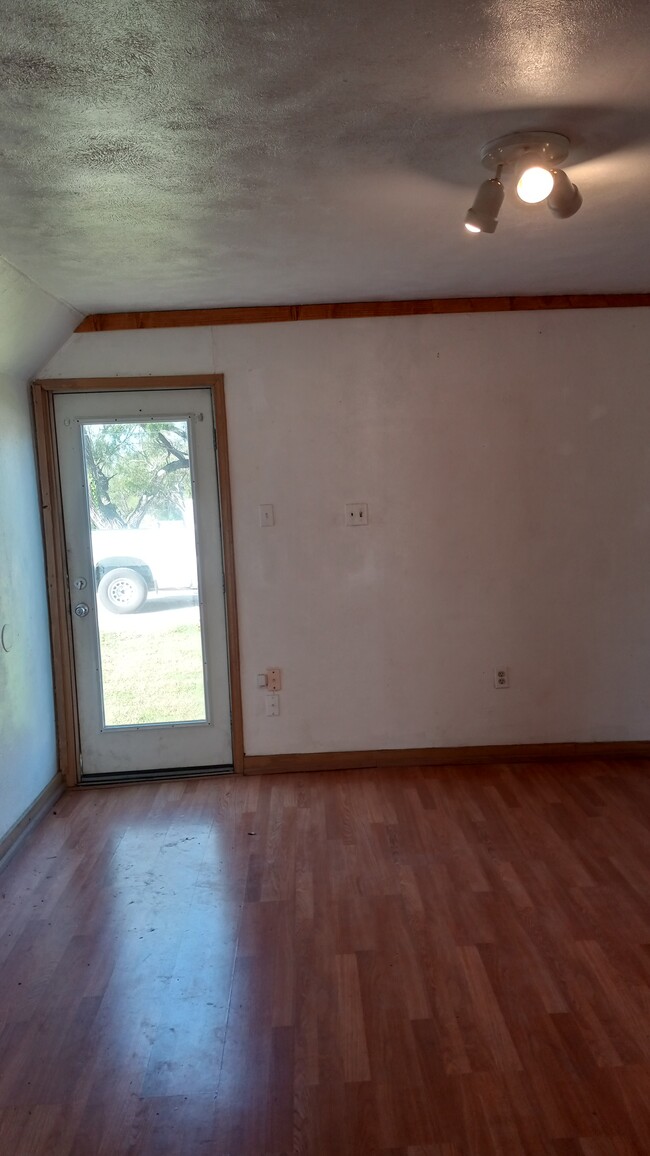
(504,458)
(31,324)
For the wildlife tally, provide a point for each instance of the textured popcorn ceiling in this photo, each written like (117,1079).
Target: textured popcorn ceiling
(204,152)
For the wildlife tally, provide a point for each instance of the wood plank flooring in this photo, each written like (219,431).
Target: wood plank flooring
(427,962)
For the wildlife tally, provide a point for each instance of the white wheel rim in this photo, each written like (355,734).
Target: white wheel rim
(122,592)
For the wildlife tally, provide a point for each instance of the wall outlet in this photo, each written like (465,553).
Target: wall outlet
(356,514)
(272,705)
(267,516)
(502,677)
(274,678)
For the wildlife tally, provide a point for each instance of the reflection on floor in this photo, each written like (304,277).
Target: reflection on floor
(442,962)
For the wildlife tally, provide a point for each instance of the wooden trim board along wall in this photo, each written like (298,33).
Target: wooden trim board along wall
(65,691)
(16,835)
(443,756)
(337,311)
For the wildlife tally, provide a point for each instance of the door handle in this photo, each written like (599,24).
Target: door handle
(81,610)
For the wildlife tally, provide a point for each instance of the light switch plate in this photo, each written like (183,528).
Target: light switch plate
(272,705)
(267,515)
(274,678)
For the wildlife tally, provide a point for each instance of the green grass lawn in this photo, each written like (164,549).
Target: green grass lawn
(153,677)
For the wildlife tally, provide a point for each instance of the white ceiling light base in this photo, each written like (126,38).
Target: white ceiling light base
(550,147)
(534,157)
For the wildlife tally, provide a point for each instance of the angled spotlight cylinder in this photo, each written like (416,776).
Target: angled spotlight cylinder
(482,217)
(565,198)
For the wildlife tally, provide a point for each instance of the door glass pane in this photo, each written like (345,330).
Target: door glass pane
(141,509)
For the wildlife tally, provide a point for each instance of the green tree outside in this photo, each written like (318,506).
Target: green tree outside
(136,470)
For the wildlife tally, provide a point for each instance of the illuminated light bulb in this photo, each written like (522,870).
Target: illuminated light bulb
(471,228)
(534,184)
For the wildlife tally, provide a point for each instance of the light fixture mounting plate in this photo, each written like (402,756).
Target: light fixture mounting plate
(551,147)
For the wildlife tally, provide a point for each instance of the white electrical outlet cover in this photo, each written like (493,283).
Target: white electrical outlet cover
(356,513)
(501,677)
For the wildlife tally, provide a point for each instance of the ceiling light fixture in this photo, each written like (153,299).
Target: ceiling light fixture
(534,157)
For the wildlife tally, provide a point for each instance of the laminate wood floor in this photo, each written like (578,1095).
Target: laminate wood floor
(433,962)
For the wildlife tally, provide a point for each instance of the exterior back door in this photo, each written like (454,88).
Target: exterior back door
(143,542)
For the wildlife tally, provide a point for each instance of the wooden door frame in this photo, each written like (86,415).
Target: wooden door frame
(63,665)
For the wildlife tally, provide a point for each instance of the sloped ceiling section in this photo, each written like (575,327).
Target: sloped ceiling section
(185,152)
(33,324)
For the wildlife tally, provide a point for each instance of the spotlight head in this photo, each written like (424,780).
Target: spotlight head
(482,217)
(565,198)
(534,181)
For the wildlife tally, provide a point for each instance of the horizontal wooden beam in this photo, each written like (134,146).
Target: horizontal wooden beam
(443,756)
(272,314)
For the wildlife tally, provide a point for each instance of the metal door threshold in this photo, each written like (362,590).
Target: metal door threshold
(159,775)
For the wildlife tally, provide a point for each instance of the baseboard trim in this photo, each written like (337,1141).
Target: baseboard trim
(442,756)
(16,835)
